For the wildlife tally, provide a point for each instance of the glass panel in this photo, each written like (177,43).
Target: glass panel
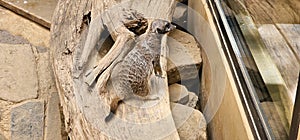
(268,39)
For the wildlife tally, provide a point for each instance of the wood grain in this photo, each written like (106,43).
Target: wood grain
(291,32)
(274,11)
(282,56)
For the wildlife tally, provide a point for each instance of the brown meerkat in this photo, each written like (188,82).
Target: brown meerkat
(130,76)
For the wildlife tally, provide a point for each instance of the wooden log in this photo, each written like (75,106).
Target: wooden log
(76,31)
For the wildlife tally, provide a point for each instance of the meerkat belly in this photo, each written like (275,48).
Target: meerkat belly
(136,69)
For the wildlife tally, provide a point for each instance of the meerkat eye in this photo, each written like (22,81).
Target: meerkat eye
(159,31)
(168,25)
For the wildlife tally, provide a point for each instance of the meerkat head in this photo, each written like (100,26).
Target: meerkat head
(161,26)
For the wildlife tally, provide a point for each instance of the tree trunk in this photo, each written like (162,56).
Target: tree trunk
(78,31)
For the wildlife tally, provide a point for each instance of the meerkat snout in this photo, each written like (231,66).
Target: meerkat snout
(162,26)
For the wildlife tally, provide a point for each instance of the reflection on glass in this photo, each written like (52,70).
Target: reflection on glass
(268,34)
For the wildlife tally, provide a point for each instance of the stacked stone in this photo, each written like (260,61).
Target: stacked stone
(184,63)
(29,103)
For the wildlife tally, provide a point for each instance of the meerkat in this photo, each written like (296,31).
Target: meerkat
(131,75)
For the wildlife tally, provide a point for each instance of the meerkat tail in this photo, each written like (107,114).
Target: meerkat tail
(109,117)
(113,108)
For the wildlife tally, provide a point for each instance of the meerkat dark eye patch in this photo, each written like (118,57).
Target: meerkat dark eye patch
(167,25)
(160,31)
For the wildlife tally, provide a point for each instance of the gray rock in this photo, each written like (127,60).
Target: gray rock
(18,77)
(178,94)
(6,37)
(193,99)
(190,123)
(185,59)
(27,121)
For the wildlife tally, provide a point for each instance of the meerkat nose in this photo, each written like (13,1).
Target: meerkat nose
(172,27)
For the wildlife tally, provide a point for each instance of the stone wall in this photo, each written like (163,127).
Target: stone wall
(29,102)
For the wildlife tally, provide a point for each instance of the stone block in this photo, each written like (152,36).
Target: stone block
(18,76)
(184,59)
(178,94)
(190,123)
(27,121)
(193,99)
